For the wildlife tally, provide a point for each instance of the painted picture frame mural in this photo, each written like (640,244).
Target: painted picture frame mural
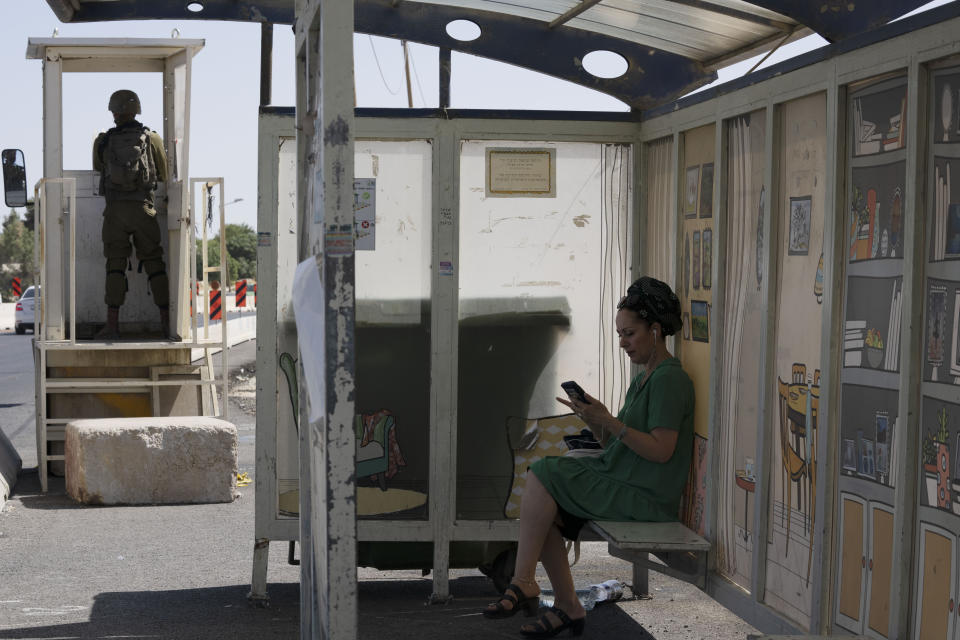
(686,325)
(696,260)
(876,212)
(691,192)
(706,278)
(800,211)
(699,321)
(706,190)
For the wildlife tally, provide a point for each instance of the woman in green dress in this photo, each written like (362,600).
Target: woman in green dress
(639,477)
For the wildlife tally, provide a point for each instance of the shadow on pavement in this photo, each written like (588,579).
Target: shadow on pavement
(218,612)
(396,609)
(27,491)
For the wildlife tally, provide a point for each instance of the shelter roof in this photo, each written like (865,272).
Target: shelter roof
(671,46)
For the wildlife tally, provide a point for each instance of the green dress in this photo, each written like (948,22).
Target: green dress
(619,484)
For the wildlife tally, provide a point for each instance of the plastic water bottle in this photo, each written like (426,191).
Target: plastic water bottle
(608,591)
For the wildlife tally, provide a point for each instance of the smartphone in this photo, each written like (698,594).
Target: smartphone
(574,391)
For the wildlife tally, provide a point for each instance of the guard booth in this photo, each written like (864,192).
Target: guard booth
(145,373)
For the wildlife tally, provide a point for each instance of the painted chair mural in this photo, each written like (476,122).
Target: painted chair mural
(378,451)
(799,404)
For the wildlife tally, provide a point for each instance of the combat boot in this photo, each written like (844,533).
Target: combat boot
(111,330)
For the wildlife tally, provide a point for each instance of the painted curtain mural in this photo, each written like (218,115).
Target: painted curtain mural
(794,384)
(661,239)
(938,525)
(696,298)
(870,379)
(739,386)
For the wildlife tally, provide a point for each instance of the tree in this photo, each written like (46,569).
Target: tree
(241,254)
(16,253)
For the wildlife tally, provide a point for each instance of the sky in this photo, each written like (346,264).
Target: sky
(226,89)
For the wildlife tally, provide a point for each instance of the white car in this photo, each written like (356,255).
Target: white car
(23,313)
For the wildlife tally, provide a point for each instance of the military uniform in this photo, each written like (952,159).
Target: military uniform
(132,213)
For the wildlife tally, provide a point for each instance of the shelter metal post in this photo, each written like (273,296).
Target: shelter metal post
(266,62)
(907,475)
(764,453)
(445,70)
(834,223)
(325,117)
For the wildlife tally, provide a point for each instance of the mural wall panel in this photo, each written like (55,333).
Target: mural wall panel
(934,601)
(796,379)
(870,425)
(739,387)
(696,297)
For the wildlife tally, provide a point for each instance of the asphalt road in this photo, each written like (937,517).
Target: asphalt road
(178,571)
(17,416)
(183,571)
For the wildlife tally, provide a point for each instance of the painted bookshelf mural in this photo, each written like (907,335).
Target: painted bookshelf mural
(873,315)
(934,600)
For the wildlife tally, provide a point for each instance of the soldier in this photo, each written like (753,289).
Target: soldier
(130,159)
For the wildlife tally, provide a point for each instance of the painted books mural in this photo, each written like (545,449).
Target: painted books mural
(876,212)
(794,421)
(871,338)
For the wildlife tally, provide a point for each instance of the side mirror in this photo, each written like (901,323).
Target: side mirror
(14,178)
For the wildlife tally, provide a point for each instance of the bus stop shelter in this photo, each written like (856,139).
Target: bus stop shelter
(805,215)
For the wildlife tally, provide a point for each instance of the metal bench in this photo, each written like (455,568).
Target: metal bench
(683,552)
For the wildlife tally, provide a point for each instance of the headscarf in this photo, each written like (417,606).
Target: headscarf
(654,301)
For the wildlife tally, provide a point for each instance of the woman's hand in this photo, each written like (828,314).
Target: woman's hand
(593,412)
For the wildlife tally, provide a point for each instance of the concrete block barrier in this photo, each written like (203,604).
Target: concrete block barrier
(173,459)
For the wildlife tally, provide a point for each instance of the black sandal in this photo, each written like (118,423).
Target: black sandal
(544,626)
(514,595)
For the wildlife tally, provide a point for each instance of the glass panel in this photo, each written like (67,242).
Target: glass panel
(393,327)
(286,385)
(543,262)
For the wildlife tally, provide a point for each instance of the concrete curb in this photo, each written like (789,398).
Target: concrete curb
(10,465)
(238,330)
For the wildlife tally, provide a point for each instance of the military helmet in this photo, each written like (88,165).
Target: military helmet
(124,102)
